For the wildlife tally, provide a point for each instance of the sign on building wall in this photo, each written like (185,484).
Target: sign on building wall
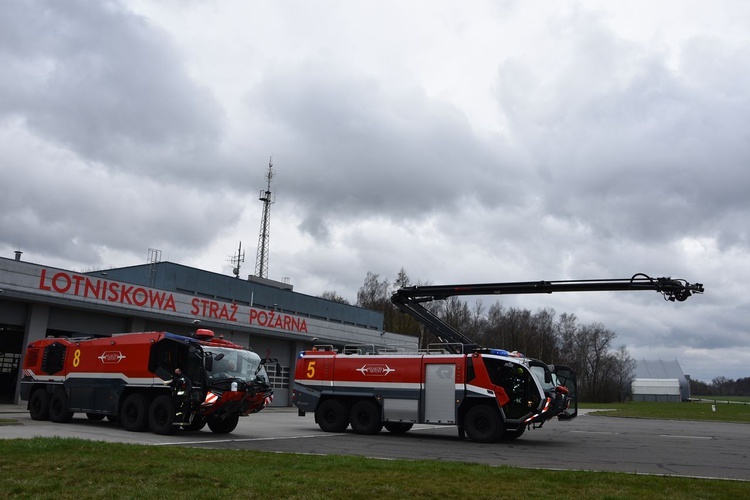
(97,292)
(92,290)
(88,288)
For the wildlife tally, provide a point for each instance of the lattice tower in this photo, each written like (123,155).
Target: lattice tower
(261,262)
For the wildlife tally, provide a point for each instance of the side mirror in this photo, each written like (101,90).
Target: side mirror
(209,363)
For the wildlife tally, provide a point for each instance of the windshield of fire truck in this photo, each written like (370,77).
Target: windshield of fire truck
(233,364)
(542,375)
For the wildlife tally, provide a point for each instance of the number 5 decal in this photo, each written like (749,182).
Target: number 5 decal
(311,369)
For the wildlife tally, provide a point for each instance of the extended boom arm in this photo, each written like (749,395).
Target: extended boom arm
(409,299)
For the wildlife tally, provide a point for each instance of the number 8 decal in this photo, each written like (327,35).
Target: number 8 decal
(77,358)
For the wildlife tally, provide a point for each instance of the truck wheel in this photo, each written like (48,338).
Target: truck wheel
(39,405)
(134,413)
(226,426)
(161,416)
(398,427)
(331,416)
(58,407)
(482,424)
(197,424)
(511,435)
(365,417)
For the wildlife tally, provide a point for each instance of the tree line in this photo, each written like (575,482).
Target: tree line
(605,371)
(721,386)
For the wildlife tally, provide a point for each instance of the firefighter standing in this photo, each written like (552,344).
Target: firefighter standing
(181,391)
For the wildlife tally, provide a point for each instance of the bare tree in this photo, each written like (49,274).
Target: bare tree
(403,323)
(491,333)
(546,342)
(455,312)
(333,296)
(374,293)
(622,375)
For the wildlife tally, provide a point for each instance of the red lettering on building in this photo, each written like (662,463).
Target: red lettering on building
(42,279)
(271,319)
(214,310)
(111,291)
(65,280)
(140,297)
(88,287)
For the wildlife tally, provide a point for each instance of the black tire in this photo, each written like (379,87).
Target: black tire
(134,413)
(332,416)
(39,405)
(365,417)
(398,427)
(483,424)
(225,426)
(58,407)
(511,435)
(161,416)
(197,424)
(95,416)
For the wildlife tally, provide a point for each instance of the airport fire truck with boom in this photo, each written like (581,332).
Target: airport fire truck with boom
(489,394)
(155,380)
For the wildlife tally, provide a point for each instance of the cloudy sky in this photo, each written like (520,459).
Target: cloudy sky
(478,141)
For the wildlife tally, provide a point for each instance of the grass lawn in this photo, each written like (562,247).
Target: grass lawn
(58,468)
(683,411)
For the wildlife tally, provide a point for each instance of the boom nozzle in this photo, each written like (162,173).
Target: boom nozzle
(675,289)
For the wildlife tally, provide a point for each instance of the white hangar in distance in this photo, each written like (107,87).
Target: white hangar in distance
(660,381)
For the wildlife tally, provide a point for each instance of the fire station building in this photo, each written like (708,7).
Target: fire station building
(37,301)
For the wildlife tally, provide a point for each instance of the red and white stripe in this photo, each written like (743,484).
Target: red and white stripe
(211,398)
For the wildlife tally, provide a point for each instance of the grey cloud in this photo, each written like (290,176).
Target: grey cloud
(78,221)
(102,82)
(355,148)
(649,153)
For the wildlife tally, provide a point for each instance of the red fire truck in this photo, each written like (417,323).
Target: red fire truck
(489,394)
(155,380)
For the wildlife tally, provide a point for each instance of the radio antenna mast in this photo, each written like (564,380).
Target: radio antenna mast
(261,262)
(237,260)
